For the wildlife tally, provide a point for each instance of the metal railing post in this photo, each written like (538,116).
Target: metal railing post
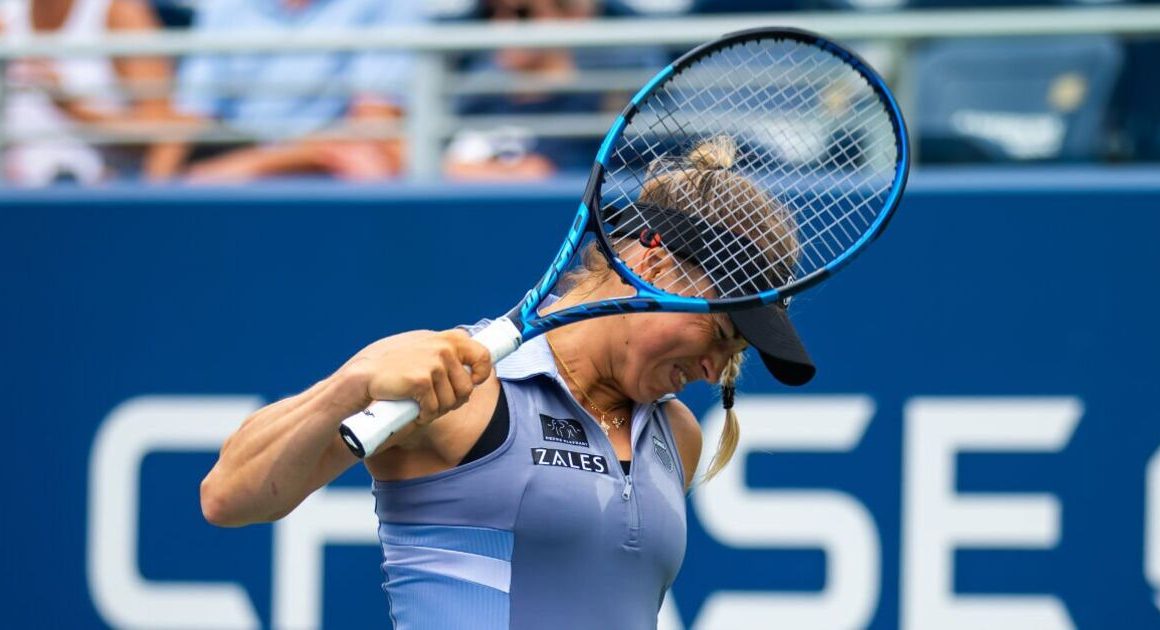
(3,117)
(425,116)
(906,90)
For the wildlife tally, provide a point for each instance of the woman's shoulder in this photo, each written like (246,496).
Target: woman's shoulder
(687,435)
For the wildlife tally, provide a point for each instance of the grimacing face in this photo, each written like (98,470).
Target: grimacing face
(665,351)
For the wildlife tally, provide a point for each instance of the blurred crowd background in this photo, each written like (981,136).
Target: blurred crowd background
(514,113)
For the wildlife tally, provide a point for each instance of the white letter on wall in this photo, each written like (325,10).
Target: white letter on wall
(669,618)
(1152,527)
(937,520)
(835,522)
(329,516)
(137,427)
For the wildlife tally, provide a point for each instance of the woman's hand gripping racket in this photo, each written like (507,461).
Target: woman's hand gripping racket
(762,162)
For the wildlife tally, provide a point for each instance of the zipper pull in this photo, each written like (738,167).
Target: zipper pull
(627,494)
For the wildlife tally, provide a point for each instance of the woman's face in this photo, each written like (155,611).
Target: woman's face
(662,352)
(665,351)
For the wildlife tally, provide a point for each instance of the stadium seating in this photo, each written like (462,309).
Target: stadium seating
(1031,99)
(1136,105)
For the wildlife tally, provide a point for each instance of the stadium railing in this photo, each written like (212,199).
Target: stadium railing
(430,122)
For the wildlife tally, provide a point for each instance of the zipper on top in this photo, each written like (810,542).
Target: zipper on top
(631,504)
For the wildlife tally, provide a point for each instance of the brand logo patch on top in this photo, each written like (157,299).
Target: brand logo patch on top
(563,430)
(661,450)
(570,459)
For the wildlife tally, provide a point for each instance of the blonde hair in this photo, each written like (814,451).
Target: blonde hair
(702,184)
(731,434)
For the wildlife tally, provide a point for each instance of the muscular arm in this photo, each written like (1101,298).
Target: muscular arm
(289,449)
(280,455)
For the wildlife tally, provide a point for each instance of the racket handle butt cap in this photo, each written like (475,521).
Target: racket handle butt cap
(364,432)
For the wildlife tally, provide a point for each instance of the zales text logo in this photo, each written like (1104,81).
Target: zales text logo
(569,459)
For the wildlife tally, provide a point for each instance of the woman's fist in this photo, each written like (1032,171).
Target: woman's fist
(436,370)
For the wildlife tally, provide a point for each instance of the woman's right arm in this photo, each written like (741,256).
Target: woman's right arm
(289,449)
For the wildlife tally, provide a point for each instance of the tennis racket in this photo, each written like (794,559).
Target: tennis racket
(764,161)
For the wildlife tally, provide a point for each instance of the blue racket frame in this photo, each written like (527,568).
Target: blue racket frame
(366,432)
(531,324)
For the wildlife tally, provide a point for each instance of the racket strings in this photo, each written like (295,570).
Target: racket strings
(731,257)
(826,216)
(825,213)
(804,209)
(731,200)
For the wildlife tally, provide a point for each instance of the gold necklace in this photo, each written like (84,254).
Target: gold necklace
(586,402)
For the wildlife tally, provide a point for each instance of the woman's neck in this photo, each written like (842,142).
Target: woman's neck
(585,353)
(588,352)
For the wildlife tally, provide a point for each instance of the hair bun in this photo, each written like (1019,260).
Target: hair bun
(715,154)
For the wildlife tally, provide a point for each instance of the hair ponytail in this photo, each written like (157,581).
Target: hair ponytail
(730,435)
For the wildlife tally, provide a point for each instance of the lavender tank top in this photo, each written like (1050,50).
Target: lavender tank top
(547,531)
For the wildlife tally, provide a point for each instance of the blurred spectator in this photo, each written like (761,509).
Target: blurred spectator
(50,99)
(295,113)
(513,153)
(450,10)
(175,14)
(658,8)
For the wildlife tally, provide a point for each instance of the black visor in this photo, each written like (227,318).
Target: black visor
(767,328)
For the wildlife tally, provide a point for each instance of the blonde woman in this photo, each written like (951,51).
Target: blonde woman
(547,491)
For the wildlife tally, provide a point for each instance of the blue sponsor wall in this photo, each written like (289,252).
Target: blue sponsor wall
(1035,289)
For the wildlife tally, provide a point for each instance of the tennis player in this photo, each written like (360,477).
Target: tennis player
(547,491)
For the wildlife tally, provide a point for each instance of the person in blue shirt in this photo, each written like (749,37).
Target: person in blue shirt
(516,153)
(283,105)
(546,491)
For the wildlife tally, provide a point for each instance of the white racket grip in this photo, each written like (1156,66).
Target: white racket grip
(367,430)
